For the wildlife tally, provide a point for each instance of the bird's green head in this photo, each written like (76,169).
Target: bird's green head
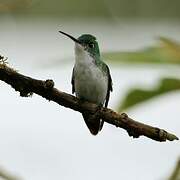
(88,42)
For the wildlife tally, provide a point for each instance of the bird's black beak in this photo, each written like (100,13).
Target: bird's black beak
(71,37)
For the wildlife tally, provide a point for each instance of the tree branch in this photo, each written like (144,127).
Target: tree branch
(27,86)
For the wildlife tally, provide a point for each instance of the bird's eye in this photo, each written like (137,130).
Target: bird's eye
(91,45)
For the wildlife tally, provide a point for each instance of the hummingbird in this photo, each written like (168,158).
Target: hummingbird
(91,80)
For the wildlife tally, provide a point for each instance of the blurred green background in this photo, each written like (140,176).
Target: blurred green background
(93,8)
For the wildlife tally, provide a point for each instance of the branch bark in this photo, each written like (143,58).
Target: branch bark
(27,86)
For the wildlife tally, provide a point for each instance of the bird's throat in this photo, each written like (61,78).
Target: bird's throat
(82,56)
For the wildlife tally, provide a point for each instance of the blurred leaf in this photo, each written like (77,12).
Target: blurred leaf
(55,8)
(5,175)
(170,49)
(14,5)
(136,96)
(176,173)
(167,51)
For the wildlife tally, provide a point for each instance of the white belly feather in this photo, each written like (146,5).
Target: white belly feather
(90,83)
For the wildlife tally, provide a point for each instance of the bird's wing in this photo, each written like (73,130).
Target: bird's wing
(109,86)
(72,82)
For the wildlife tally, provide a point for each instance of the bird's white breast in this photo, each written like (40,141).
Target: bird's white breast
(90,82)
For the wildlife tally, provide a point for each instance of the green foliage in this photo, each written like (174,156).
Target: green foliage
(176,172)
(167,51)
(136,96)
(85,8)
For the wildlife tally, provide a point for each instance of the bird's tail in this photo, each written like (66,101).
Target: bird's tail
(94,125)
